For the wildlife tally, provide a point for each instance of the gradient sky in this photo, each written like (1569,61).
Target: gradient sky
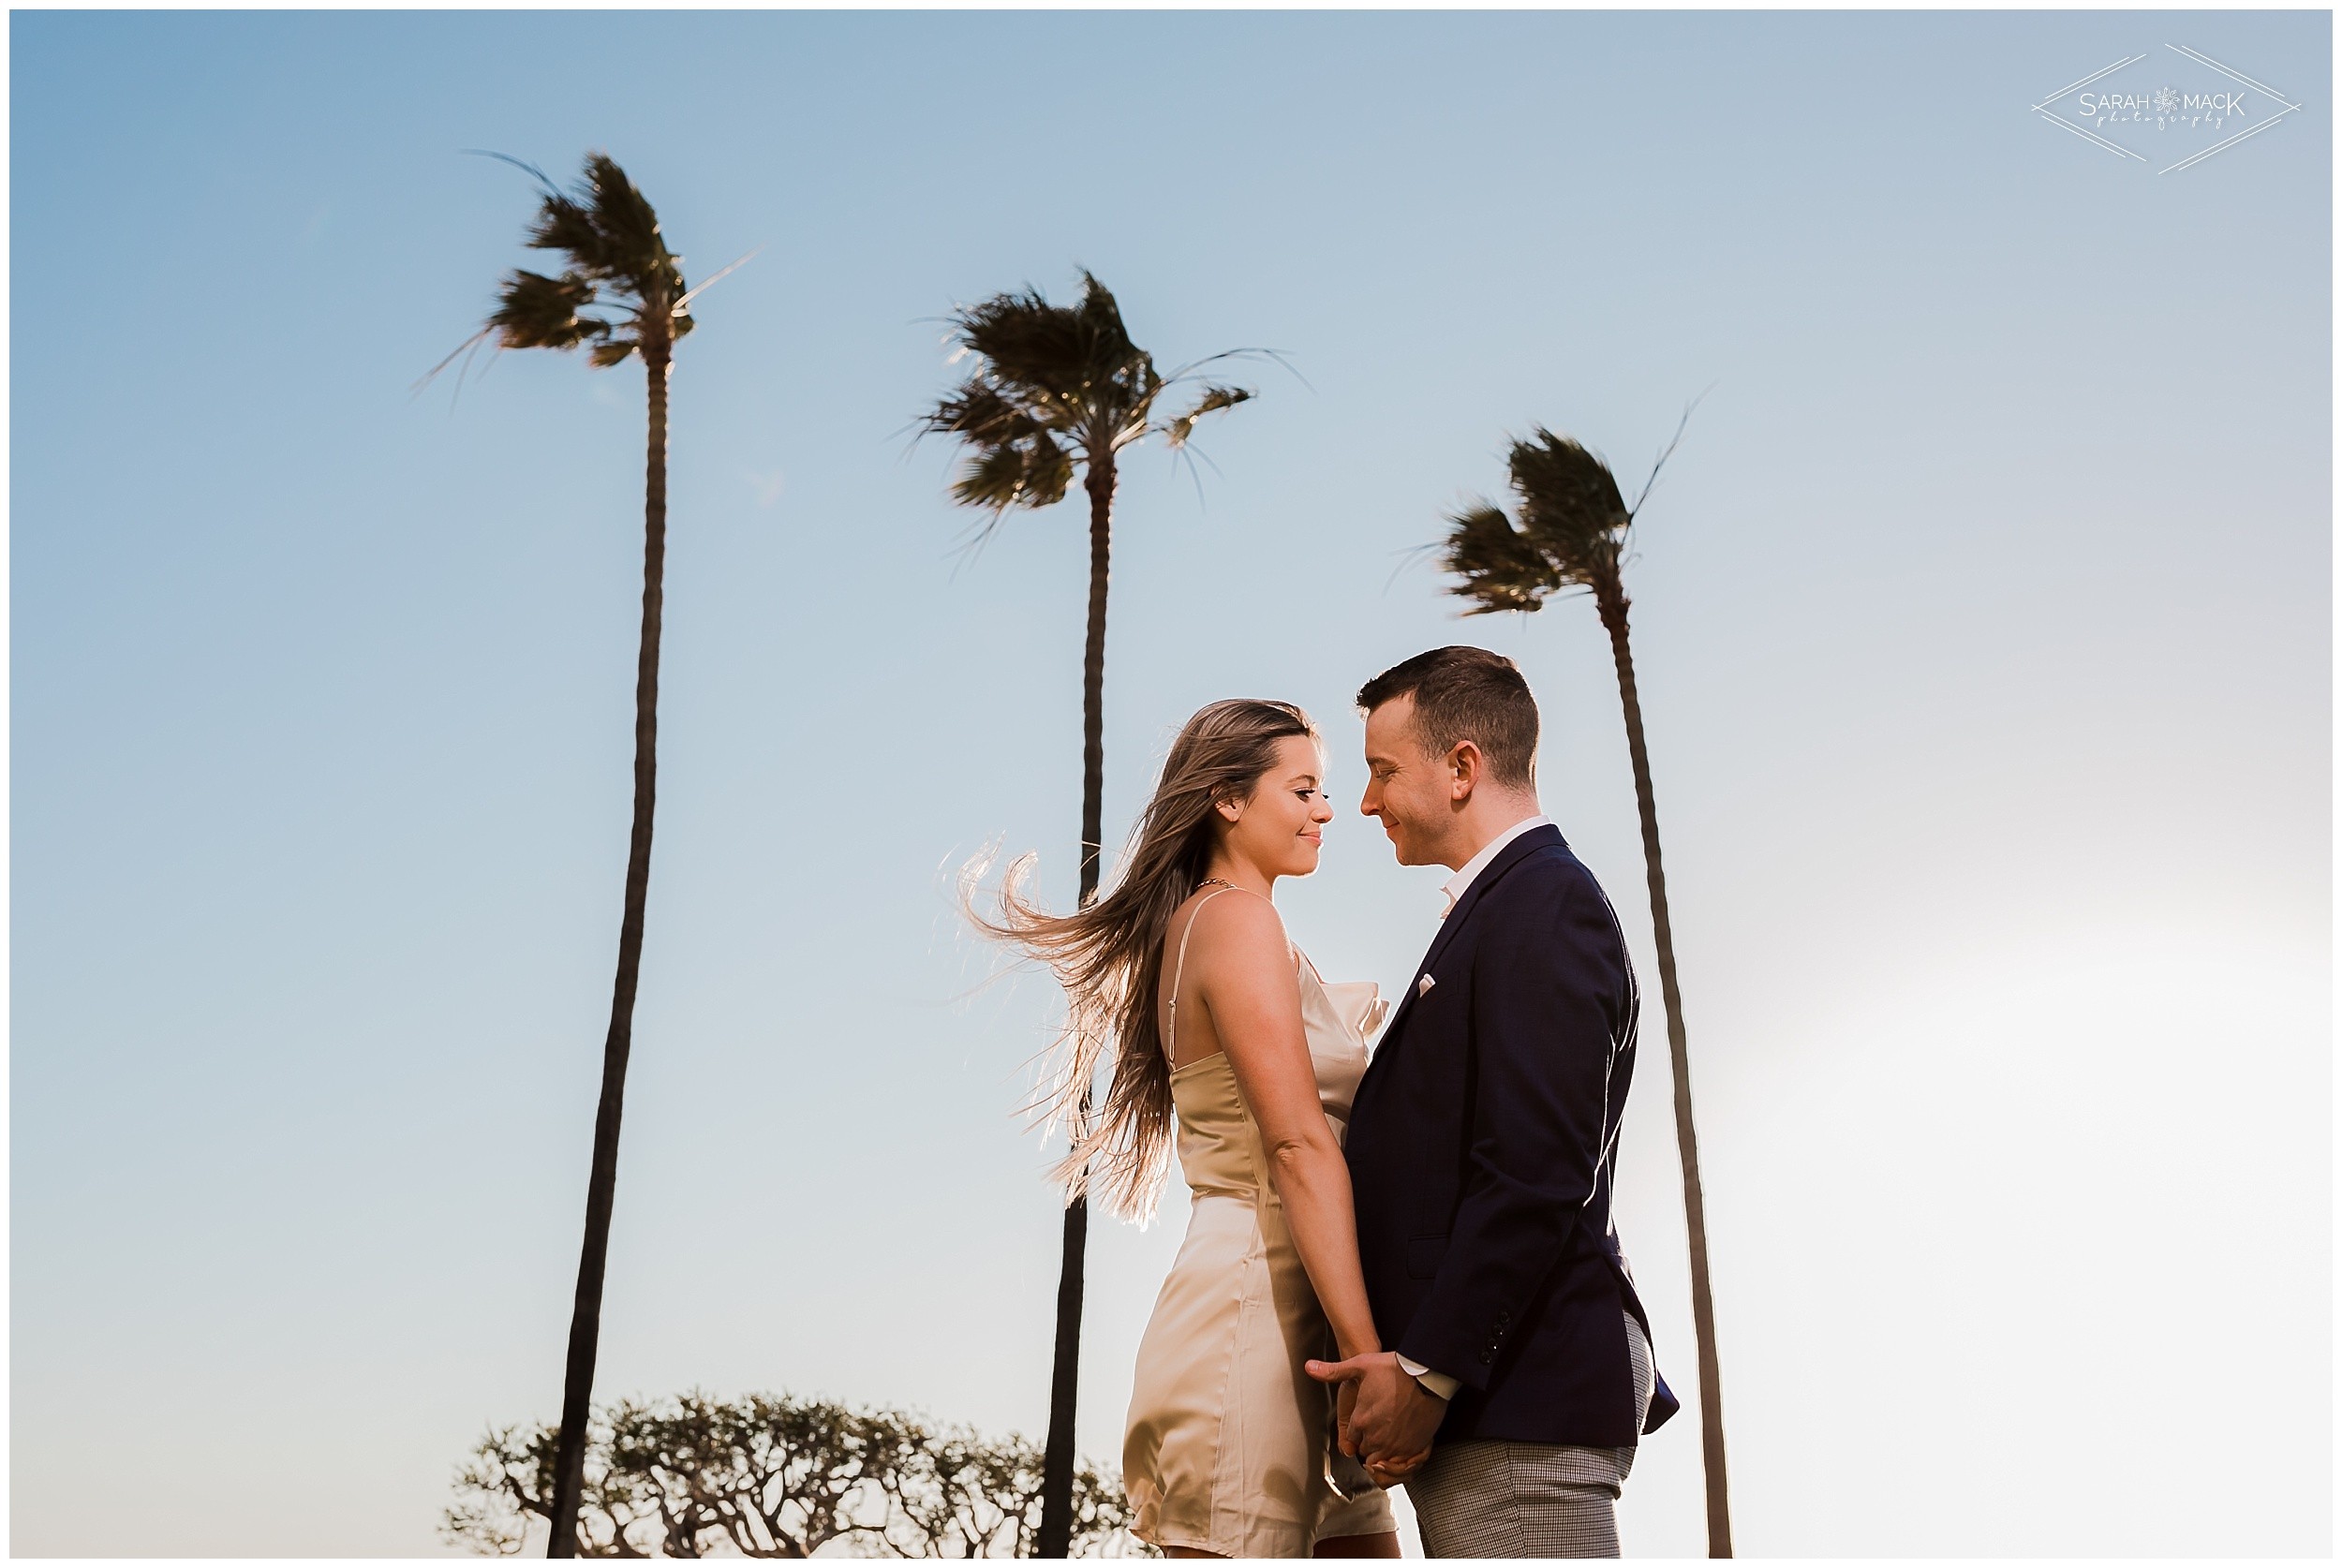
(1984,623)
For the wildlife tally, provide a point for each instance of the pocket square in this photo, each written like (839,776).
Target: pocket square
(1424,985)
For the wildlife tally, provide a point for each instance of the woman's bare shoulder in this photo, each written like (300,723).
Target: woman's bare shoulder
(1236,933)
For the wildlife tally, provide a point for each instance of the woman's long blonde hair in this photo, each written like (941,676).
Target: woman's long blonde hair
(1109,956)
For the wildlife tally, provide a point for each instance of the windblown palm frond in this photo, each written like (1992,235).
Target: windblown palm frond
(1214,399)
(613,231)
(1497,567)
(1569,504)
(1569,532)
(1064,354)
(620,281)
(1054,387)
(534,311)
(1030,471)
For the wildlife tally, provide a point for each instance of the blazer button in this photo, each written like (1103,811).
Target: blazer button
(1487,1355)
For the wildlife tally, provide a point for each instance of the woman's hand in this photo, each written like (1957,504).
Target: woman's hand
(1392,1417)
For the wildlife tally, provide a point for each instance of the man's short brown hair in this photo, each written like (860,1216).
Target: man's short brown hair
(1466,694)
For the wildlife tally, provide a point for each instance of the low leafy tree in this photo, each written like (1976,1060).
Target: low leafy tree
(508,1482)
(773,1476)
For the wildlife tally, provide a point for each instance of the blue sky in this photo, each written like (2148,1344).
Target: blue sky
(1984,623)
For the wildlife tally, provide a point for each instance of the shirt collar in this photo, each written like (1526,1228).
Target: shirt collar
(1456,886)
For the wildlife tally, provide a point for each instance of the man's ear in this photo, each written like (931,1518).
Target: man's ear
(1465,769)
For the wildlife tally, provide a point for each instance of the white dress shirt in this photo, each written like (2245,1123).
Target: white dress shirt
(1454,887)
(1453,891)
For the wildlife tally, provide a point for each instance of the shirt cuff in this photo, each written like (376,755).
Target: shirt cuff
(1439,1384)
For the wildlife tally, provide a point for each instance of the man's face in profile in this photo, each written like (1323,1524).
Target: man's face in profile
(1410,793)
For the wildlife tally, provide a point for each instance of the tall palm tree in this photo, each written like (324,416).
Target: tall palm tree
(1057,388)
(619,296)
(1570,536)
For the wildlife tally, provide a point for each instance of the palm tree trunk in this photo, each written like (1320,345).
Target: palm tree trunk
(1101,487)
(1056,1535)
(577,1389)
(1611,600)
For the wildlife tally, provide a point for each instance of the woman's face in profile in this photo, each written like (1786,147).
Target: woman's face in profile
(1282,824)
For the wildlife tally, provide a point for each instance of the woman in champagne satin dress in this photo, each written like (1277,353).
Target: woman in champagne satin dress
(1224,1041)
(1225,1448)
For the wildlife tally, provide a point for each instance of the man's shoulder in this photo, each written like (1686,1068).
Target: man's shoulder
(1549,903)
(1550,891)
(1548,871)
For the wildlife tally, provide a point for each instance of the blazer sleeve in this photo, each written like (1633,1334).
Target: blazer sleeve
(1546,980)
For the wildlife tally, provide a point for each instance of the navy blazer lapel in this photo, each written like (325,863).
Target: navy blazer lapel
(1509,856)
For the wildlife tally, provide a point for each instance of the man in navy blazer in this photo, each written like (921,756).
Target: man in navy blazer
(1519,1375)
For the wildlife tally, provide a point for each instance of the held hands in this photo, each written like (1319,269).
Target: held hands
(1385,1417)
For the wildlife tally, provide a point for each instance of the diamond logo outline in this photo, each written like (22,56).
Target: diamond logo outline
(2287,106)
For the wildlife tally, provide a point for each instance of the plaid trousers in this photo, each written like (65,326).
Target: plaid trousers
(1490,1499)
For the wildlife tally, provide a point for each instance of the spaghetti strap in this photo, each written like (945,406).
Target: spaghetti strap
(1178,967)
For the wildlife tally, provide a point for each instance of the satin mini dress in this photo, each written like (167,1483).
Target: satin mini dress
(1224,1450)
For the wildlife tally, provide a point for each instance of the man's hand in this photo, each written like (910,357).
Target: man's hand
(1385,1476)
(1391,1417)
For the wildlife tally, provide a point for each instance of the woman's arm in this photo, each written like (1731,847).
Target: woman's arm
(1247,981)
